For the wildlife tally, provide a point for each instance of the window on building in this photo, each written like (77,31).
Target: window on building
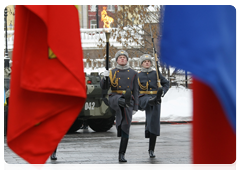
(93,7)
(110,8)
(93,24)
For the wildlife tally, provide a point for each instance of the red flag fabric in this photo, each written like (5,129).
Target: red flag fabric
(214,140)
(47,81)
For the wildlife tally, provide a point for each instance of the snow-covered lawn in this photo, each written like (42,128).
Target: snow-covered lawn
(176,106)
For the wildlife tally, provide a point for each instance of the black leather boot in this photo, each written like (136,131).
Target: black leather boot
(151,154)
(54,156)
(152,142)
(122,149)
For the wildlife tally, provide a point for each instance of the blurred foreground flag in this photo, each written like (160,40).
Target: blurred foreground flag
(202,40)
(47,82)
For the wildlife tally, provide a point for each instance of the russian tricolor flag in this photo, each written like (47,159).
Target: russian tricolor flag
(202,40)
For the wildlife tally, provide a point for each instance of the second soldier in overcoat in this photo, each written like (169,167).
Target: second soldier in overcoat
(124,97)
(150,99)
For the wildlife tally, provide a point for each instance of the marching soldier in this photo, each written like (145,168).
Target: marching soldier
(124,97)
(150,99)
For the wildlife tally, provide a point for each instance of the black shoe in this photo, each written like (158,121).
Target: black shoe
(53,156)
(151,154)
(121,158)
(152,101)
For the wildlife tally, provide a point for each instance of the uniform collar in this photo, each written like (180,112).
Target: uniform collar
(123,67)
(146,69)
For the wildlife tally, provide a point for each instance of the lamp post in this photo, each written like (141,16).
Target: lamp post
(105,89)
(6,58)
(107,33)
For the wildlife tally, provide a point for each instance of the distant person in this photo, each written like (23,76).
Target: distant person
(150,99)
(54,155)
(124,97)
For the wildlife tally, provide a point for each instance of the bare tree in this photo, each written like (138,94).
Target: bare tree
(132,28)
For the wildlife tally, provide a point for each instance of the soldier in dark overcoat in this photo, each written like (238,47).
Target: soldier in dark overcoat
(150,99)
(124,97)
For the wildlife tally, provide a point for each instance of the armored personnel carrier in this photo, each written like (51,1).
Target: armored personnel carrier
(98,115)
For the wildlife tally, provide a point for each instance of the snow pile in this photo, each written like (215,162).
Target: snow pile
(176,106)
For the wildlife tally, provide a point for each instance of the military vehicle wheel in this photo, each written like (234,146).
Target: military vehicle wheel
(75,126)
(101,125)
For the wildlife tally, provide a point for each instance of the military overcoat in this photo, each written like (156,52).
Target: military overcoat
(119,81)
(148,82)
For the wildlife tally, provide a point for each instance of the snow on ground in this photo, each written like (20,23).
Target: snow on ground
(176,106)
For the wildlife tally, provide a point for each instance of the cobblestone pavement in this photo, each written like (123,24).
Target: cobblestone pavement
(89,147)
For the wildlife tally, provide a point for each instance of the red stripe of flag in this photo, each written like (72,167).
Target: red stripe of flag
(214,141)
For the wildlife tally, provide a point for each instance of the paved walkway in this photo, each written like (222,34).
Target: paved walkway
(89,147)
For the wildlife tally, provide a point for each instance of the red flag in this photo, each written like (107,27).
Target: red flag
(47,81)
(214,140)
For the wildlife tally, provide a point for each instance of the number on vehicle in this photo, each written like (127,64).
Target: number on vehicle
(89,105)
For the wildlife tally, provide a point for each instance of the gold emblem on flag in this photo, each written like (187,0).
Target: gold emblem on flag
(76,6)
(51,55)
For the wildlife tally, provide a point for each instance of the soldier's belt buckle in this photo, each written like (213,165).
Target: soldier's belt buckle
(148,92)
